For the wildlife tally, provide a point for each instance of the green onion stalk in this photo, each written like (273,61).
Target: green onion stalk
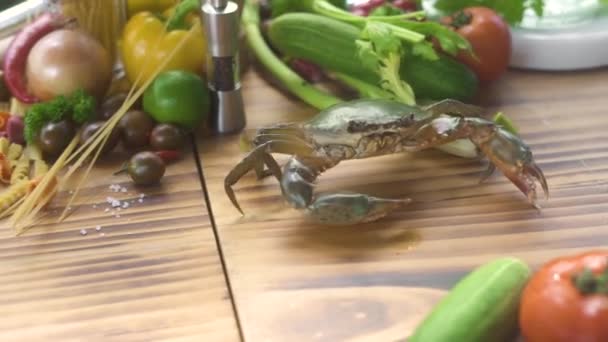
(291,80)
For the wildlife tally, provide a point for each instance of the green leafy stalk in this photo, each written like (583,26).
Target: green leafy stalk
(408,30)
(292,81)
(502,120)
(364,89)
(326,8)
(380,49)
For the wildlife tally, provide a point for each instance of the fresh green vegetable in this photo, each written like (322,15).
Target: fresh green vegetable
(512,10)
(380,49)
(481,307)
(502,120)
(385,10)
(83,107)
(444,78)
(289,79)
(410,31)
(178,97)
(78,107)
(306,36)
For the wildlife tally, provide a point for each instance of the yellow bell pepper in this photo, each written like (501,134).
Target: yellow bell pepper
(146,42)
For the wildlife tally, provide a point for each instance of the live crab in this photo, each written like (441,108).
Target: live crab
(368,128)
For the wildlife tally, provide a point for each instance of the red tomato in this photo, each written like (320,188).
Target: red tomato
(567,300)
(490,39)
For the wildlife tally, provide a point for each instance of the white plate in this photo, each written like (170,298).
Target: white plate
(572,35)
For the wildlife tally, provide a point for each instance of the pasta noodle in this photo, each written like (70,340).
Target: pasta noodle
(21,170)
(4,143)
(14,152)
(13,194)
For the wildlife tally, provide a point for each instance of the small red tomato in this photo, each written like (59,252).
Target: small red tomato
(490,39)
(567,300)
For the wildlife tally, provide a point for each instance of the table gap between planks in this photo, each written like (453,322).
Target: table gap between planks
(293,280)
(150,272)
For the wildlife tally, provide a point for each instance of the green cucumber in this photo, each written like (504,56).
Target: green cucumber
(326,42)
(330,44)
(481,307)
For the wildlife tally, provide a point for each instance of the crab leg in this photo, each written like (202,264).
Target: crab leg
(339,208)
(297,183)
(257,158)
(505,151)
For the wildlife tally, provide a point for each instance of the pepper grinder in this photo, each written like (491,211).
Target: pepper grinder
(221,22)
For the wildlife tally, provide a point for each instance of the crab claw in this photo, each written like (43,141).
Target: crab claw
(514,159)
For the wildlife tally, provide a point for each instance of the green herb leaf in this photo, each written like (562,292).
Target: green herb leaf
(425,50)
(382,38)
(450,41)
(367,55)
(385,10)
(502,120)
(380,47)
(511,10)
(83,106)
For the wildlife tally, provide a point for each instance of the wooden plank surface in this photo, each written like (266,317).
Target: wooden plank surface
(151,273)
(297,281)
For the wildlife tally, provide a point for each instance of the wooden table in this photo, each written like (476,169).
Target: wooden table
(149,271)
(153,271)
(297,281)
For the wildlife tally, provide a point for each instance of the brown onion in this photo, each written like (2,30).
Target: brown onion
(66,60)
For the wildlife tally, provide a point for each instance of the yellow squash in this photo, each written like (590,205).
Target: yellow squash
(147,40)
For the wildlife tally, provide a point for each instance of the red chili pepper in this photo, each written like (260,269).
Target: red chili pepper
(15,59)
(168,155)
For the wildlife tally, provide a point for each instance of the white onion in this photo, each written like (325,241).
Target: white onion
(64,61)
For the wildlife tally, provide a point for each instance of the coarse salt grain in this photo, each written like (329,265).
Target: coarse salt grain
(107,209)
(102,234)
(125,204)
(123,189)
(83,232)
(113,202)
(141,200)
(98,228)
